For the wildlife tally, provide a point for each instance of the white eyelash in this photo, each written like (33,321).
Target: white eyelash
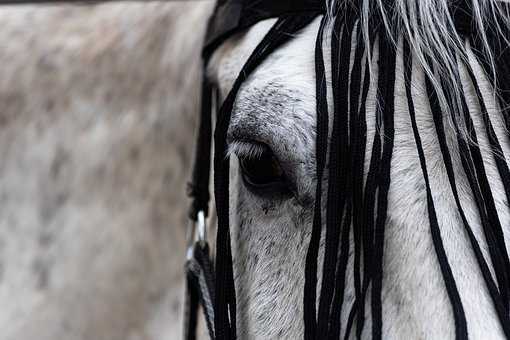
(246,150)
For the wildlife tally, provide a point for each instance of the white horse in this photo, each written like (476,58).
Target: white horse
(96,120)
(272,133)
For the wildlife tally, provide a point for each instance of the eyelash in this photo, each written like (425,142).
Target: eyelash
(243,149)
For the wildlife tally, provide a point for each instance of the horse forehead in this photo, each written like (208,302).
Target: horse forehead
(290,69)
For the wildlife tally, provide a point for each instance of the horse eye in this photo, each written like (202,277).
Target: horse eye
(262,171)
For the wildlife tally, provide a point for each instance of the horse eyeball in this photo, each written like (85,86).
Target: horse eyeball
(262,171)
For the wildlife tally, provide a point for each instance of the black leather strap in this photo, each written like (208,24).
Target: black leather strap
(199,292)
(234,16)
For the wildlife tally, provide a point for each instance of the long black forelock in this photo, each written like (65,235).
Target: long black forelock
(354,207)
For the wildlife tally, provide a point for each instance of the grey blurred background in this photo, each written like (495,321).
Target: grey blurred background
(97,111)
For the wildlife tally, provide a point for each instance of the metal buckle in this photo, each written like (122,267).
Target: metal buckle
(197,234)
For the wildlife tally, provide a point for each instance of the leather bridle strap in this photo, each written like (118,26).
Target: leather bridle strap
(199,291)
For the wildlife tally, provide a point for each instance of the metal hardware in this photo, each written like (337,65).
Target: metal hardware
(197,234)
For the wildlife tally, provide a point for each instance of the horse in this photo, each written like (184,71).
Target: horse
(428,153)
(96,138)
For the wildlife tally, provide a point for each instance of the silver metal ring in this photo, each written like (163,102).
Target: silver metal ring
(201,227)
(197,233)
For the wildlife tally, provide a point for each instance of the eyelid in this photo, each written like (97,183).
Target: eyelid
(250,150)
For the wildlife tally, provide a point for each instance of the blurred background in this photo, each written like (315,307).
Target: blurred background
(97,113)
